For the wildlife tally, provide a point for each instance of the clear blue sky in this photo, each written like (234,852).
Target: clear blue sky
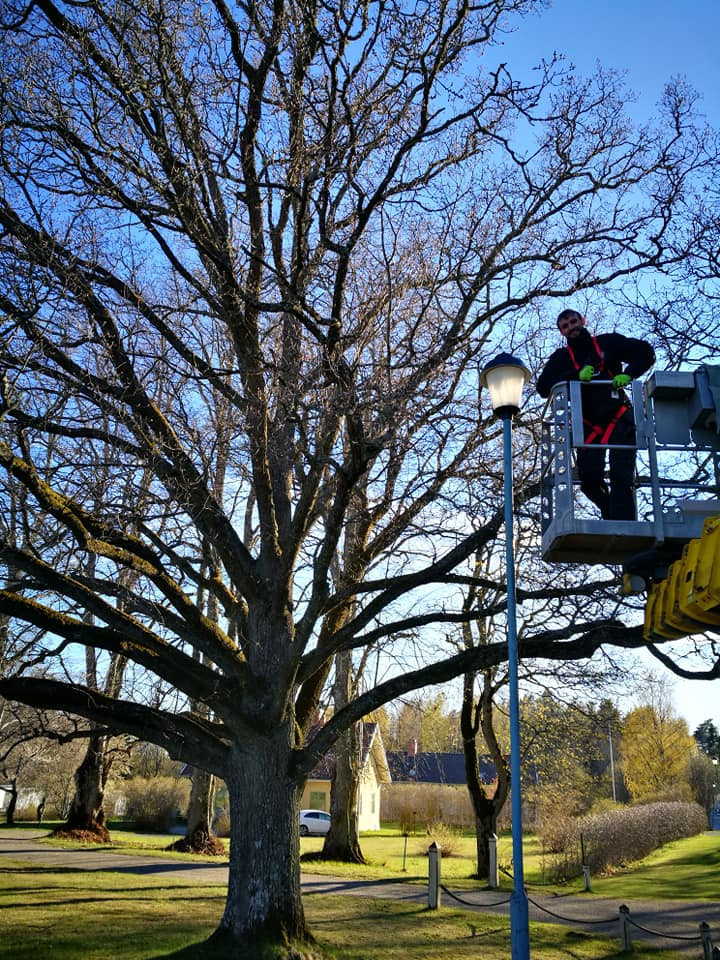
(652,40)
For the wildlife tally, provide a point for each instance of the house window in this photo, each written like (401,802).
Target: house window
(318,800)
(372,803)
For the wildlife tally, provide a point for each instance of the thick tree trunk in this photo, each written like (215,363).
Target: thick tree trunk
(343,841)
(199,837)
(264,912)
(87,815)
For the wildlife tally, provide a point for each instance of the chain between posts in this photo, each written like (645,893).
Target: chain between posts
(705,936)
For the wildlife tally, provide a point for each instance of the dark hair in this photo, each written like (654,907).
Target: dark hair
(567,314)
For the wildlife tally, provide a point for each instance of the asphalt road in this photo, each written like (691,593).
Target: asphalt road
(673,924)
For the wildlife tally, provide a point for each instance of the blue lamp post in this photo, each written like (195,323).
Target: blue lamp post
(505,377)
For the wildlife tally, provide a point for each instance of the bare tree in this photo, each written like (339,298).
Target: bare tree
(358,211)
(563,601)
(28,749)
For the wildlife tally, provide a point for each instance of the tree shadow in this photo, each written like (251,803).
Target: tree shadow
(221,948)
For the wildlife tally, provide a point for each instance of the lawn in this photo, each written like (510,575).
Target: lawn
(684,870)
(70,914)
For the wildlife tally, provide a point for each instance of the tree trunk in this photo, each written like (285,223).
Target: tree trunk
(12,805)
(87,816)
(486,808)
(264,912)
(199,837)
(342,841)
(485,827)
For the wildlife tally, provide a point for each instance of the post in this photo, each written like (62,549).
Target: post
(625,929)
(707,943)
(519,928)
(493,875)
(405,835)
(434,857)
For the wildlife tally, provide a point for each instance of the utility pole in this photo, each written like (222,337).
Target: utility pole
(612,761)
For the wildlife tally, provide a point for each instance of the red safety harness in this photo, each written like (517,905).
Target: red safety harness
(596,432)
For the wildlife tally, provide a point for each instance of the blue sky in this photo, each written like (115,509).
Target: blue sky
(652,41)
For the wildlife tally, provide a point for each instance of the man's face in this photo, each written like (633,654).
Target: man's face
(571,325)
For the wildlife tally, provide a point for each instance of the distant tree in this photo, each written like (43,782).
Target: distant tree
(704,779)
(656,749)
(25,751)
(150,760)
(707,737)
(562,744)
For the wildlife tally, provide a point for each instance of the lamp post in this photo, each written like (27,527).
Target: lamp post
(505,377)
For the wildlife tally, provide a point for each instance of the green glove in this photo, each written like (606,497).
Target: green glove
(587,373)
(621,380)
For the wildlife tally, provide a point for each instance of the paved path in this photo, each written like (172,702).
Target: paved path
(665,918)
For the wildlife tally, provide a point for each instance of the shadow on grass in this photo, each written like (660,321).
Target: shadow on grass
(222,946)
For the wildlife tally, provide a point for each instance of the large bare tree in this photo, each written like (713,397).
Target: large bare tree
(321,217)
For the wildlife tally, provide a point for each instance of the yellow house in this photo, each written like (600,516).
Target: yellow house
(373,772)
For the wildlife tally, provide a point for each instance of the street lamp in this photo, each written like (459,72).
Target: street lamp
(505,377)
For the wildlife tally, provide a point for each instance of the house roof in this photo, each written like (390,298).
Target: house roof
(435,768)
(372,748)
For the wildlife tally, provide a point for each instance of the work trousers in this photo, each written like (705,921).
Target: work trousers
(616,501)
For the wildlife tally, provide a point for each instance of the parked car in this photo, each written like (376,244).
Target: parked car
(314,821)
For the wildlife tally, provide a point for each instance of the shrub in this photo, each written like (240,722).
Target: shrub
(221,826)
(556,811)
(444,836)
(154,804)
(413,804)
(617,837)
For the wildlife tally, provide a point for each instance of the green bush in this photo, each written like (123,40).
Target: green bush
(154,804)
(614,838)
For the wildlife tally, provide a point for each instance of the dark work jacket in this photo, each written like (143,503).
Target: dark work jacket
(600,404)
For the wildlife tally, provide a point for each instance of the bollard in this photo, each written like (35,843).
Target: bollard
(586,877)
(624,922)
(493,873)
(706,938)
(434,858)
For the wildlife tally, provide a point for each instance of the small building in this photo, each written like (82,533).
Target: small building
(374,772)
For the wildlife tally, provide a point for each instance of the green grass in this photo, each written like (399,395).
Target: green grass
(386,856)
(684,870)
(71,914)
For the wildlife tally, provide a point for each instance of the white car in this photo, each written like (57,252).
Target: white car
(314,821)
